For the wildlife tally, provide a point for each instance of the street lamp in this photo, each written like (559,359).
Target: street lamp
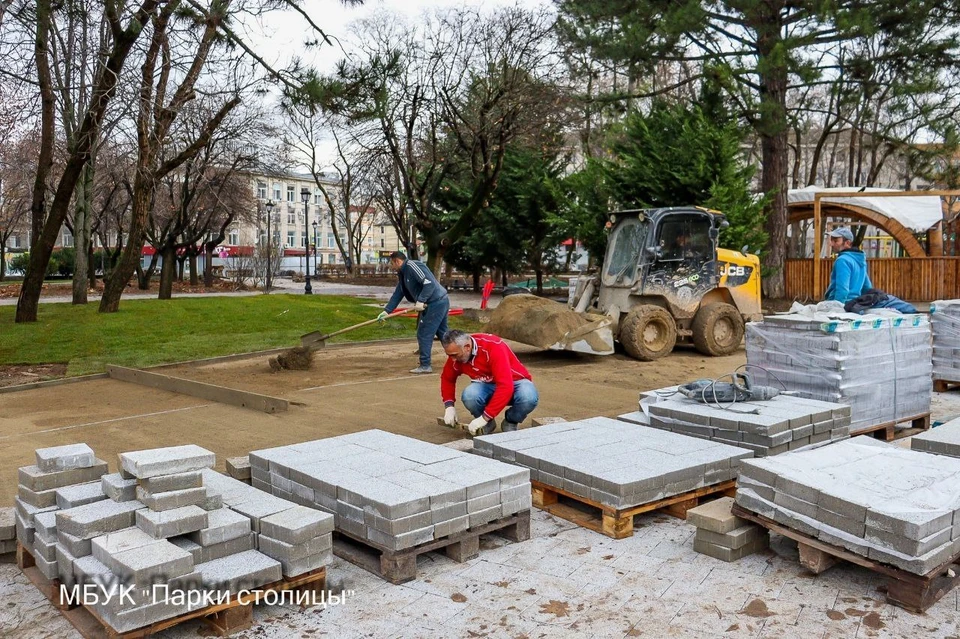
(316,245)
(305,196)
(267,280)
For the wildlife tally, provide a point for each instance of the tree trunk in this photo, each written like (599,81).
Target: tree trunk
(92,266)
(539,271)
(194,275)
(167,270)
(83,212)
(130,257)
(774,146)
(180,265)
(208,265)
(3,259)
(476,280)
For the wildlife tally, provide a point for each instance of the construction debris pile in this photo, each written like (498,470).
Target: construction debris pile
(942,440)
(945,326)
(157,522)
(392,491)
(877,500)
(767,427)
(880,365)
(722,535)
(613,462)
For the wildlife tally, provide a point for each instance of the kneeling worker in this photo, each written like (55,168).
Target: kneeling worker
(499,380)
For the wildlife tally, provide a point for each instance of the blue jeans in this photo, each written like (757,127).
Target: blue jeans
(525,398)
(432,321)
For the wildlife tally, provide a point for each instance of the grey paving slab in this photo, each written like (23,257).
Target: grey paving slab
(171,523)
(942,440)
(65,457)
(241,571)
(171,499)
(117,488)
(223,524)
(284,552)
(37,480)
(145,464)
(79,494)
(175,481)
(296,525)
(98,518)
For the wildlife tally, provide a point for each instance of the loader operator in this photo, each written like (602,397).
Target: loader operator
(417,284)
(498,380)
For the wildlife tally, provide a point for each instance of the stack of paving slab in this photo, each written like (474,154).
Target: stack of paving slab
(942,440)
(65,478)
(722,535)
(945,325)
(889,504)
(160,526)
(768,427)
(880,365)
(8,530)
(392,491)
(613,462)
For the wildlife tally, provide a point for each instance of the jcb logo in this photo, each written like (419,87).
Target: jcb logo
(731,270)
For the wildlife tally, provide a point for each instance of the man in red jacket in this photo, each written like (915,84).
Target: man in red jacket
(498,380)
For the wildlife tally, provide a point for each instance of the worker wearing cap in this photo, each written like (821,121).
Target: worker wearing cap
(417,284)
(849,278)
(499,381)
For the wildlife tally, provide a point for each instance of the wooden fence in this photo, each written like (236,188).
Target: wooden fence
(916,279)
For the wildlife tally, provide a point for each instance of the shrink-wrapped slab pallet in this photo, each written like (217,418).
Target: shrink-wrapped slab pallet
(878,365)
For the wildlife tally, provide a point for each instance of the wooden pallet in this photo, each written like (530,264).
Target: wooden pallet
(943,385)
(400,566)
(888,430)
(221,620)
(614,522)
(915,593)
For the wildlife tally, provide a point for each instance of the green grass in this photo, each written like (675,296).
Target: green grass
(148,332)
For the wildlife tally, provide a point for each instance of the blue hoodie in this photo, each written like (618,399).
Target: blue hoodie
(849,279)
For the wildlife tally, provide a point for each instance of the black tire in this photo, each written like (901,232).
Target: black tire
(648,333)
(717,329)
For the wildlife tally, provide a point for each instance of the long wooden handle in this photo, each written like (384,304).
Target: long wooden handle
(366,323)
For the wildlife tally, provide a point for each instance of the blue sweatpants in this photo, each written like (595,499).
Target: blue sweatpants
(433,321)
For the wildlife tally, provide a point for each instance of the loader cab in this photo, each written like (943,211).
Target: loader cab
(663,248)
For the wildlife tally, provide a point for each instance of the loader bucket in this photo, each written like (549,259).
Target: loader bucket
(543,323)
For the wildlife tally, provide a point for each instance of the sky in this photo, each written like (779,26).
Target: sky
(282,34)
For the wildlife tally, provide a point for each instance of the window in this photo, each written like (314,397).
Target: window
(261,191)
(291,238)
(291,217)
(15,241)
(382,243)
(318,198)
(276,191)
(291,194)
(67,239)
(234,237)
(331,243)
(624,252)
(303,239)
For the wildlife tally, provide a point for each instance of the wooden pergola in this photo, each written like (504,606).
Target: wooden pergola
(899,232)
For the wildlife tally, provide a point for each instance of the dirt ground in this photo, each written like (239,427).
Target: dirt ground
(349,388)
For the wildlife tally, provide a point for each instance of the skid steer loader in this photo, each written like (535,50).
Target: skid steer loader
(663,280)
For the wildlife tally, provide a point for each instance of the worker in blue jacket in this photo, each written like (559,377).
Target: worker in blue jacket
(418,285)
(849,279)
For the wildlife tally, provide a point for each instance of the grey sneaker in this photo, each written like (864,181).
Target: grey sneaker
(508,426)
(421,369)
(490,427)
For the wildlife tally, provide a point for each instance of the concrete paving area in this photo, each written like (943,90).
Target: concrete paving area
(564,582)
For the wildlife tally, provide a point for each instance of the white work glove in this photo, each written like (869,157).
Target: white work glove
(382,317)
(476,426)
(450,416)
(419,306)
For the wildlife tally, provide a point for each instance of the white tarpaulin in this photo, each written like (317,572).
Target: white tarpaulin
(917,213)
